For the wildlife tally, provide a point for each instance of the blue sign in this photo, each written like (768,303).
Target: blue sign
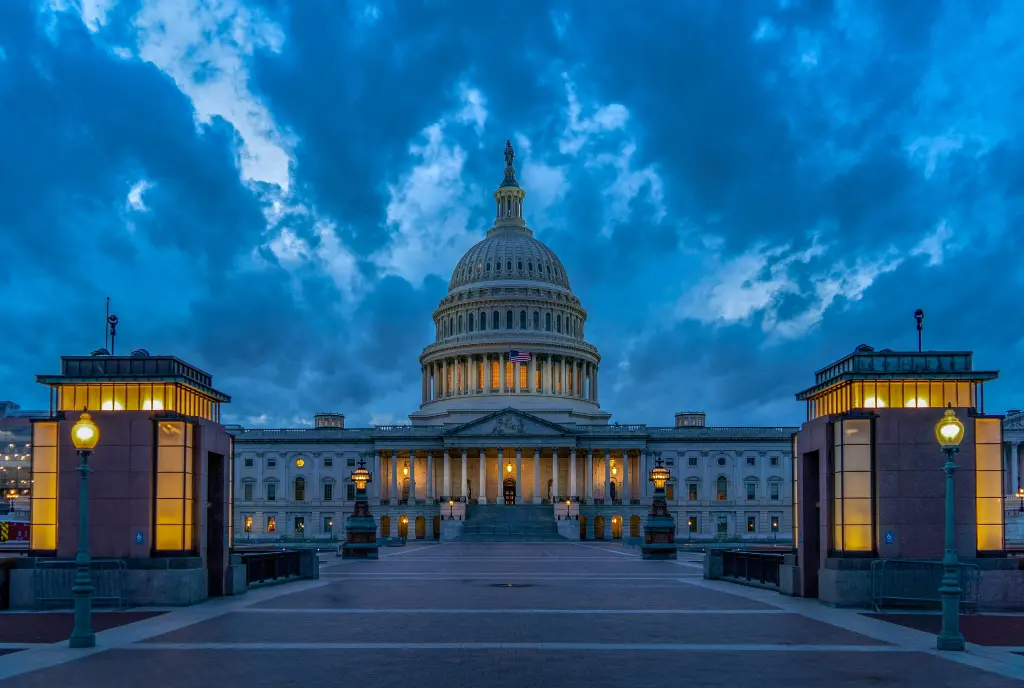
(138,537)
(890,537)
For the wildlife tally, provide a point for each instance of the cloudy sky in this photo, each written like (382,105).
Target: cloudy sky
(741,192)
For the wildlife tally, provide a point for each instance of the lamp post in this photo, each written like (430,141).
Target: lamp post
(568,503)
(949,431)
(451,509)
(360,529)
(1020,496)
(84,435)
(660,529)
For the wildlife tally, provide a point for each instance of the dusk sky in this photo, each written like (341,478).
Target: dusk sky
(741,192)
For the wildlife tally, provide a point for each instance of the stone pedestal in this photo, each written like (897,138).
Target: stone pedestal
(659,530)
(361,540)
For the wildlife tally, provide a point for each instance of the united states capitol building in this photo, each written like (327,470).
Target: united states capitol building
(510,414)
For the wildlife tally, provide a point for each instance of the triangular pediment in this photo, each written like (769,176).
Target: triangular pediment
(508,422)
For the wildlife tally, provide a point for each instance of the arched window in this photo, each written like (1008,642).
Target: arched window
(536,320)
(300,489)
(460,324)
(488,268)
(529,265)
(519,266)
(558,323)
(497,266)
(451,326)
(722,488)
(549,270)
(547,322)
(495,321)
(469,322)
(522,320)
(508,265)
(508,320)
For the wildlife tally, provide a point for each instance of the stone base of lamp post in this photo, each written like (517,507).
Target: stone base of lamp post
(659,530)
(361,531)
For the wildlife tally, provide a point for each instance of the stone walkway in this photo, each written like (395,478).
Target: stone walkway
(509,615)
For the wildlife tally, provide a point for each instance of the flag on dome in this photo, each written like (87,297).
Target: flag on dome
(519,356)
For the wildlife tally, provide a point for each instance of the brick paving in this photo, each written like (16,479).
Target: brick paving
(512,616)
(993,630)
(52,627)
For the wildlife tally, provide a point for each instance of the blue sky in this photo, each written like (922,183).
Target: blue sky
(741,192)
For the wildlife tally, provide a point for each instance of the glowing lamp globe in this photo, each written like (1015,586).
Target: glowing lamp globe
(949,430)
(84,433)
(361,476)
(451,502)
(660,476)
(568,503)
(508,467)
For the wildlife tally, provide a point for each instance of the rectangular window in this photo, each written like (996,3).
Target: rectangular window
(670,492)
(751,461)
(328,491)
(495,375)
(775,461)
(248,462)
(751,491)
(271,492)
(248,524)
(247,492)
(300,525)
(851,503)
(723,525)
(773,490)
(524,372)
(328,524)
(350,463)
(751,524)
(43,531)
(691,489)
(775,524)
(692,524)
(328,462)
(693,461)
(271,463)
(271,524)
(174,504)
(988,474)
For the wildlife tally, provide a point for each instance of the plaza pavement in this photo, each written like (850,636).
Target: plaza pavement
(508,615)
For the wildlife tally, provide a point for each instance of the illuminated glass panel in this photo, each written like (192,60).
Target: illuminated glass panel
(495,375)
(852,504)
(43,533)
(174,499)
(538,371)
(480,375)
(796,491)
(989,483)
(509,374)
(142,396)
(524,372)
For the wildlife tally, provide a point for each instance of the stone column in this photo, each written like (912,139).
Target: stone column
(573,490)
(444,377)
(447,476)
(430,475)
(536,475)
(588,486)
(463,475)
(554,474)
(501,374)
(482,487)
(596,371)
(519,475)
(565,387)
(516,377)
(1014,466)
(531,375)
(625,477)
(394,477)
(607,474)
(412,476)
(642,474)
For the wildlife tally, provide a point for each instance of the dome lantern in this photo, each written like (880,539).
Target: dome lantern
(509,196)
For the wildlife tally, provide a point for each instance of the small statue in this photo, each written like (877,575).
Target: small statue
(510,153)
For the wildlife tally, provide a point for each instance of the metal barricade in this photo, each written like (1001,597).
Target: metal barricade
(916,582)
(757,567)
(52,581)
(267,567)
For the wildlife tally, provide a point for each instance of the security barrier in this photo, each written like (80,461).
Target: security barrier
(915,583)
(52,581)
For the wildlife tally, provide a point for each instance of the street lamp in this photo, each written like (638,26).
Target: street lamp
(1020,496)
(451,509)
(949,431)
(84,435)
(568,503)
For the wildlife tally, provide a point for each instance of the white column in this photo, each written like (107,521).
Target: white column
(596,371)
(447,476)
(394,477)
(531,375)
(501,375)
(588,486)
(536,475)
(463,475)
(554,474)
(412,476)
(565,387)
(572,474)
(430,475)
(642,474)
(519,475)
(517,375)
(607,474)
(482,487)
(625,477)
(1014,466)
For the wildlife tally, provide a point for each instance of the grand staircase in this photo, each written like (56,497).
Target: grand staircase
(507,523)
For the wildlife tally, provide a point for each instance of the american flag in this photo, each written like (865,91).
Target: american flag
(519,356)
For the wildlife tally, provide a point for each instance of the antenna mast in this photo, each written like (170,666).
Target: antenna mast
(919,317)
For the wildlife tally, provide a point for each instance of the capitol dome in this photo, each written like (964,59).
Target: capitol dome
(510,332)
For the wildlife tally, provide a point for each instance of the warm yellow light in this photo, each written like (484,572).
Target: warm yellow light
(84,433)
(568,502)
(361,476)
(404,519)
(916,403)
(111,406)
(152,405)
(949,430)
(508,467)
(615,470)
(451,502)
(872,402)
(660,475)
(405,469)
(299,463)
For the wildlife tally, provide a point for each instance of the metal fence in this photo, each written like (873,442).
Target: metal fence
(263,567)
(52,581)
(759,567)
(915,583)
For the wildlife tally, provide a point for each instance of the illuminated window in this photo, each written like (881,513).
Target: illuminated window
(43,533)
(692,524)
(174,504)
(751,524)
(328,524)
(271,524)
(495,375)
(722,487)
(524,371)
(509,377)
(691,489)
(988,483)
(851,503)
(248,524)
(300,525)
(538,372)
(775,524)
